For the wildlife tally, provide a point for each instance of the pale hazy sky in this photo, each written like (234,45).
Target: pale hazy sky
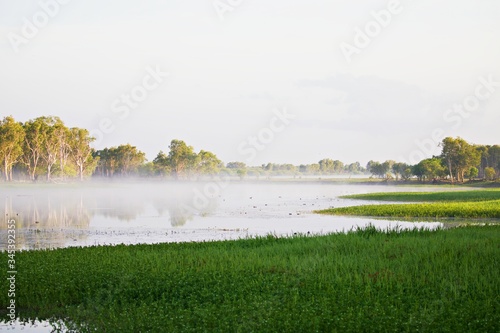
(226,76)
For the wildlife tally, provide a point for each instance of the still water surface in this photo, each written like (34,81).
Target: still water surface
(109,213)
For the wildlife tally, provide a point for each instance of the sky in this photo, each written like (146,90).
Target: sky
(282,81)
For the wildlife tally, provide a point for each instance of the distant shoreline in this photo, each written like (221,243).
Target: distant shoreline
(318,180)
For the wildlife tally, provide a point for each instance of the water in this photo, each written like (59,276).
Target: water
(35,326)
(55,216)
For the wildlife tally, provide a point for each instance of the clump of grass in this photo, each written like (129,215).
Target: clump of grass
(364,280)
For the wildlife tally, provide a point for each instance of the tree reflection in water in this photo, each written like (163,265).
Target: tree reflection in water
(51,216)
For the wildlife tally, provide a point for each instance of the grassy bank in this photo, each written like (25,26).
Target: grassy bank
(477,195)
(364,281)
(465,210)
(455,204)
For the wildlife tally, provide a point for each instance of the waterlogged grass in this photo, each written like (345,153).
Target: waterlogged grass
(480,204)
(468,210)
(473,195)
(363,281)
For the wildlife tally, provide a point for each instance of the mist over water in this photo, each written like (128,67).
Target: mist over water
(98,213)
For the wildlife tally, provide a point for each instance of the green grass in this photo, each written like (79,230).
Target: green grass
(474,204)
(467,210)
(363,281)
(475,195)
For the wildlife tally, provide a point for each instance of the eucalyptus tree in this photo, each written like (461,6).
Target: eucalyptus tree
(81,152)
(378,169)
(129,158)
(107,162)
(207,163)
(161,164)
(399,170)
(326,165)
(181,158)
(54,132)
(33,145)
(432,168)
(338,166)
(63,136)
(494,157)
(11,144)
(313,168)
(459,157)
(387,167)
(124,160)
(236,165)
(490,173)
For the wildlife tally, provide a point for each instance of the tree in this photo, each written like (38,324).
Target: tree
(236,165)
(490,173)
(207,163)
(459,156)
(129,158)
(11,144)
(54,131)
(472,173)
(353,168)
(338,166)
(407,174)
(181,157)
(449,153)
(107,164)
(162,164)
(399,170)
(431,168)
(387,165)
(484,153)
(63,135)
(146,170)
(33,145)
(313,168)
(326,165)
(268,167)
(494,157)
(124,159)
(241,173)
(81,153)
(418,171)
(468,157)
(378,169)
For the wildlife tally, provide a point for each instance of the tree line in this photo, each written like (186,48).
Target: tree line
(459,160)
(45,148)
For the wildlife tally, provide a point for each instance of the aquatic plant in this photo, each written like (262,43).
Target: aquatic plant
(362,280)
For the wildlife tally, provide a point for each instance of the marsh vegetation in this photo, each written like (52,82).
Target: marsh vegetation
(478,204)
(365,280)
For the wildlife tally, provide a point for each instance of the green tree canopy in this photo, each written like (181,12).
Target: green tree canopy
(181,158)
(11,144)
